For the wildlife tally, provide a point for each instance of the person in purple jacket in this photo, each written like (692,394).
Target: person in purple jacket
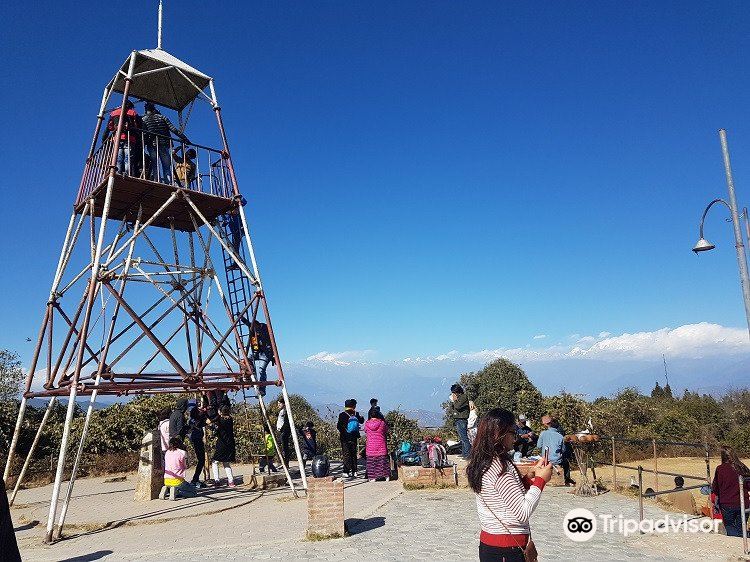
(376,448)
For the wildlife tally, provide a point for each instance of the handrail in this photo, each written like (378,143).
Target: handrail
(161,159)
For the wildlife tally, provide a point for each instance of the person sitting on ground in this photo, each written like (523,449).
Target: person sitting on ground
(682,500)
(309,442)
(266,462)
(525,437)
(184,166)
(726,486)
(348,426)
(551,441)
(376,448)
(175,466)
(225,451)
(505,500)
(459,410)
(157,128)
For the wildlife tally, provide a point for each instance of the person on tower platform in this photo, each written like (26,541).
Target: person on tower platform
(158,143)
(184,166)
(128,142)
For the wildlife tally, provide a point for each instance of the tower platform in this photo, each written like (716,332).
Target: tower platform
(129,193)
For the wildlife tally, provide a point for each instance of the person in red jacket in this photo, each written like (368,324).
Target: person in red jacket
(129,141)
(726,486)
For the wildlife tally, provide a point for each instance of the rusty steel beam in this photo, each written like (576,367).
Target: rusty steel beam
(146,330)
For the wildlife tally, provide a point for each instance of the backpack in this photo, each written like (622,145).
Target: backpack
(406,447)
(411,458)
(438,458)
(352,425)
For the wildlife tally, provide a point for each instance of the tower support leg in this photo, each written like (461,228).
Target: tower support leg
(92,401)
(26,463)
(61,460)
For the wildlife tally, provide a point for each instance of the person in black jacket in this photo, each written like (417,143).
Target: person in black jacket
(348,435)
(262,348)
(8,544)
(309,442)
(198,418)
(225,451)
(285,431)
(459,409)
(177,425)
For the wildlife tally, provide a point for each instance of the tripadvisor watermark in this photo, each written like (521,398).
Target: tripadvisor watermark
(580,525)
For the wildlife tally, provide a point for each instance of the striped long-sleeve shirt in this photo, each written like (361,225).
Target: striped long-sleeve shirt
(511,499)
(157,123)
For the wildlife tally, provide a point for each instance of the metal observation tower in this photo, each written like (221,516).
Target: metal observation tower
(157,287)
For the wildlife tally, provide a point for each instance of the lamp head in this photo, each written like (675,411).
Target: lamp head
(703,245)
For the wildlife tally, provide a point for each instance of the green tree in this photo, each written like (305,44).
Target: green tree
(570,410)
(401,428)
(501,384)
(11,375)
(657,392)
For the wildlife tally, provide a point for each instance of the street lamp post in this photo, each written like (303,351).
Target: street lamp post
(703,244)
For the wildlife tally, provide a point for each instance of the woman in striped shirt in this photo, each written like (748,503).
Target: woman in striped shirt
(505,501)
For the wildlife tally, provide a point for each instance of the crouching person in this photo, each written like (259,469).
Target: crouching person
(175,466)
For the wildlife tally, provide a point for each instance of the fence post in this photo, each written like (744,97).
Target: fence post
(656,468)
(742,514)
(640,496)
(614,466)
(708,480)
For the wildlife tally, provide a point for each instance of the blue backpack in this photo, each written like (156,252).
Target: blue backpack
(353,425)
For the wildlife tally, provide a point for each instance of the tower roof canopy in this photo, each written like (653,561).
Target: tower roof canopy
(162,78)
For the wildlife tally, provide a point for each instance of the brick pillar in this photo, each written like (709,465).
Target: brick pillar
(150,469)
(325,508)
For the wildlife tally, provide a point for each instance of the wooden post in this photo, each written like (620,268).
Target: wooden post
(640,495)
(614,466)
(656,468)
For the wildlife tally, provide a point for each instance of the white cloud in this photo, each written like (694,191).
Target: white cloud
(540,336)
(691,341)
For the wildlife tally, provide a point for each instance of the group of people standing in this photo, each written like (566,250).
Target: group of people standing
(212,411)
(349,425)
(146,148)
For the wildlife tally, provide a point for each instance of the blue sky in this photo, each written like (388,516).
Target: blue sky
(422,177)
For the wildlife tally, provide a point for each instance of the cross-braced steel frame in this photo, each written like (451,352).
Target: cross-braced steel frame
(202,353)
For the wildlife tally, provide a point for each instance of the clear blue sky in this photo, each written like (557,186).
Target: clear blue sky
(423,176)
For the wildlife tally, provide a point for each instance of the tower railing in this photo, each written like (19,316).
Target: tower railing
(161,159)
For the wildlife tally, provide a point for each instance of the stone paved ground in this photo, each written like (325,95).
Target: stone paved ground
(387,524)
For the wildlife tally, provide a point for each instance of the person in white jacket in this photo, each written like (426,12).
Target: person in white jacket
(471,423)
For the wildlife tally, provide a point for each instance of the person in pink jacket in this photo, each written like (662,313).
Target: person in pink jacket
(378,463)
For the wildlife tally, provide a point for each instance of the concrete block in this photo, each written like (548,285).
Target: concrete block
(150,469)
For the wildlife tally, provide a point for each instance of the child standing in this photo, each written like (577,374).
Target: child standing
(225,450)
(309,443)
(267,460)
(175,466)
